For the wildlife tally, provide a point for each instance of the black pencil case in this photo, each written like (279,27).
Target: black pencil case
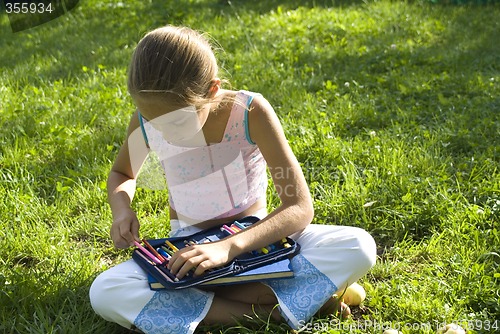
(264,264)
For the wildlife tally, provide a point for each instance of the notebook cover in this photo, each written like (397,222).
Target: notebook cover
(279,269)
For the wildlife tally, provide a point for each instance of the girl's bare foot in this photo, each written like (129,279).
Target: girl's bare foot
(336,307)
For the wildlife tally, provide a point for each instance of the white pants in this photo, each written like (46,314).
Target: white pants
(331,258)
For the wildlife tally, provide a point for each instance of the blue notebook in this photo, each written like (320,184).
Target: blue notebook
(279,269)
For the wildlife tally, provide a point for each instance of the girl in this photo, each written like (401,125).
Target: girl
(215,146)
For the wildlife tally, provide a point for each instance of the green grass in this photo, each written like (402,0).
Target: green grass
(391,107)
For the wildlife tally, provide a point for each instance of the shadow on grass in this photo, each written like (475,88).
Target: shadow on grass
(88,37)
(438,87)
(261,7)
(30,308)
(442,79)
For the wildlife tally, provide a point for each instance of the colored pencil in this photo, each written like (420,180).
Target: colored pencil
(155,253)
(147,253)
(239,225)
(171,245)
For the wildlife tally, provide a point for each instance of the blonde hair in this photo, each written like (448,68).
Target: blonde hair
(173,62)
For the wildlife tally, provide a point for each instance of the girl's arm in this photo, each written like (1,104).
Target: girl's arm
(293,215)
(121,185)
(296,210)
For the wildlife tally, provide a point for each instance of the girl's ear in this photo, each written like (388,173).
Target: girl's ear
(214,88)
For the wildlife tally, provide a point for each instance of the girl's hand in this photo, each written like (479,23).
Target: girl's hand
(125,229)
(200,257)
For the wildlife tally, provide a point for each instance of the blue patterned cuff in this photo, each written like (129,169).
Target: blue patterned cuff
(302,296)
(174,311)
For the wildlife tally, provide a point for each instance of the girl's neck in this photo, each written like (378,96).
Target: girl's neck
(216,123)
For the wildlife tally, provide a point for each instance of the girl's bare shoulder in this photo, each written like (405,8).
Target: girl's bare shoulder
(261,112)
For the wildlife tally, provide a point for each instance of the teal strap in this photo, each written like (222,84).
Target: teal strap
(141,122)
(247,131)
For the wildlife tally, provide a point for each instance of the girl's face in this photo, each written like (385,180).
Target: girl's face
(177,124)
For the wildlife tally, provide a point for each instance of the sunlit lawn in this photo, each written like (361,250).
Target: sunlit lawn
(391,107)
